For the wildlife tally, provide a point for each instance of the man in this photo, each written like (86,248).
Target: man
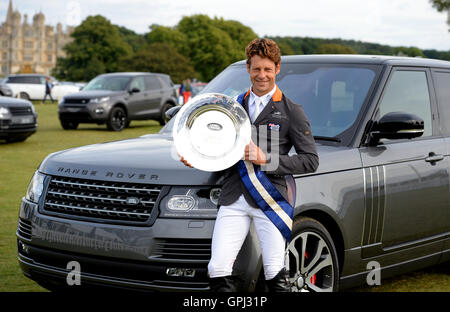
(48,89)
(268,109)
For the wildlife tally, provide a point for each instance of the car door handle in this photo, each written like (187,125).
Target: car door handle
(434,157)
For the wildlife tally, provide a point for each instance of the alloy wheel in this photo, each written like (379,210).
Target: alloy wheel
(310,263)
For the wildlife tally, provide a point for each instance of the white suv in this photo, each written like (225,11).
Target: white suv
(32,87)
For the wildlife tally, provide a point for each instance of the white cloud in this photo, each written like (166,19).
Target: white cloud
(392,22)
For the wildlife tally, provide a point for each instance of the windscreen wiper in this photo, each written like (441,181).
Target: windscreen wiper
(324,138)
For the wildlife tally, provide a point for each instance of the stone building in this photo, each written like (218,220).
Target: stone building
(30,46)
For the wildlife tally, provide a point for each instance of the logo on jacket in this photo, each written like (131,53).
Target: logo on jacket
(273,126)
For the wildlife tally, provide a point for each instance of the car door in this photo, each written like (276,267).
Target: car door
(441,79)
(154,96)
(406,181)
(137,101)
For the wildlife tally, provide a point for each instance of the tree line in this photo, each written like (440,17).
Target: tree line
(197,47)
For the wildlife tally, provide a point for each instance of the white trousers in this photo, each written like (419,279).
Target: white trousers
(230,230)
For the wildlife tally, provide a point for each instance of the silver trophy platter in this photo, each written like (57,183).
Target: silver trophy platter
(211,132)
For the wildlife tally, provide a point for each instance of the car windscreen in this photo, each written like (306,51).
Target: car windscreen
(116,83)
(331,95)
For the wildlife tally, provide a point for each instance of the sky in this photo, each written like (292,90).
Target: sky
(391,22)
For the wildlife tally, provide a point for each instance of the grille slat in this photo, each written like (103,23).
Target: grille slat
(101,200)
(24,228)
(183,249)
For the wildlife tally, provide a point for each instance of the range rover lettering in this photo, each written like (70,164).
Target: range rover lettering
(381,192)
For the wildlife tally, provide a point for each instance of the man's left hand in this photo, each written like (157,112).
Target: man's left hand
(255,154)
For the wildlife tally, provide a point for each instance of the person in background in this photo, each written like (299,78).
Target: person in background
(187,91)
(48,90)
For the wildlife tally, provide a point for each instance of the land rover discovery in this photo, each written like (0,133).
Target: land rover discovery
(133,216)
(118,98)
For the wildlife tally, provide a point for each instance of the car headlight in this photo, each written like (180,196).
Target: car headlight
(35,188)
(99,100)
(4,113)
(182,202)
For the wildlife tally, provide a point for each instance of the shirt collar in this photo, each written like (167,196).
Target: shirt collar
(264,99)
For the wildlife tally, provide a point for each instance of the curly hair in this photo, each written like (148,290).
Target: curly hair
(264,48)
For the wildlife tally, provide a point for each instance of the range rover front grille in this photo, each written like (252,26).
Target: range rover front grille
(20,111)
(101,200)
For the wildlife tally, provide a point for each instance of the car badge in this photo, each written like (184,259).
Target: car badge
(132,201)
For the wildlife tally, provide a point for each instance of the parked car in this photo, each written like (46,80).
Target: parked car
(32,87)
(18,119)
(133,216)
(5,90)
(118,98)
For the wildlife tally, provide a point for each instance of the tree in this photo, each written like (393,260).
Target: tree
(159,58)
(412,51)
(442,6)
(96,49)
(334,48)
(210,43)
(169,35)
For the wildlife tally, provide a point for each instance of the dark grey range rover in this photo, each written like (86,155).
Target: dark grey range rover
(133,216)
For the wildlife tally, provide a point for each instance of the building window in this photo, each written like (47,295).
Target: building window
(27,57)
(49,58)
(4,44)
(28,44)
(49,46)
(4,56)
(4,71)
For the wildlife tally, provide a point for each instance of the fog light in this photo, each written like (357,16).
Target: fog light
(99,110)
(24,247)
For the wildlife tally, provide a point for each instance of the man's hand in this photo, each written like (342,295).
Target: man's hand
(255,154)
(184,161)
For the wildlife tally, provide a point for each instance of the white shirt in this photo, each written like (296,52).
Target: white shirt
(263,100)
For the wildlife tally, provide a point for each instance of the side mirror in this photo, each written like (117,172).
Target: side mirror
(172,112)
(395,126)
(135,90)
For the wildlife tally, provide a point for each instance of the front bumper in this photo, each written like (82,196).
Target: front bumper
(8,129)
(124,257)
(90,113)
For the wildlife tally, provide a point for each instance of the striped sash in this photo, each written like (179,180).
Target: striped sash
(265,194)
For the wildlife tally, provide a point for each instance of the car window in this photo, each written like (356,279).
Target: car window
(112,83)
(407,91)
(138,83)
(152,83)
(442,84)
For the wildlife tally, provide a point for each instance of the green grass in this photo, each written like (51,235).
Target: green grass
(18,161)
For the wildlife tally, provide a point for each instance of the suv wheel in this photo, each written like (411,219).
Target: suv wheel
(24,95)
(311,258)
(164,109)
(117,119)
(69,125)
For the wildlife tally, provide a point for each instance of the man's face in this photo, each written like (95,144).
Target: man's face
(262,72)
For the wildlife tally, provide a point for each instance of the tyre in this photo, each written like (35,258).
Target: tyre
(311,258)
(24,95)
(69,125)
(117,119)
(164,109)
